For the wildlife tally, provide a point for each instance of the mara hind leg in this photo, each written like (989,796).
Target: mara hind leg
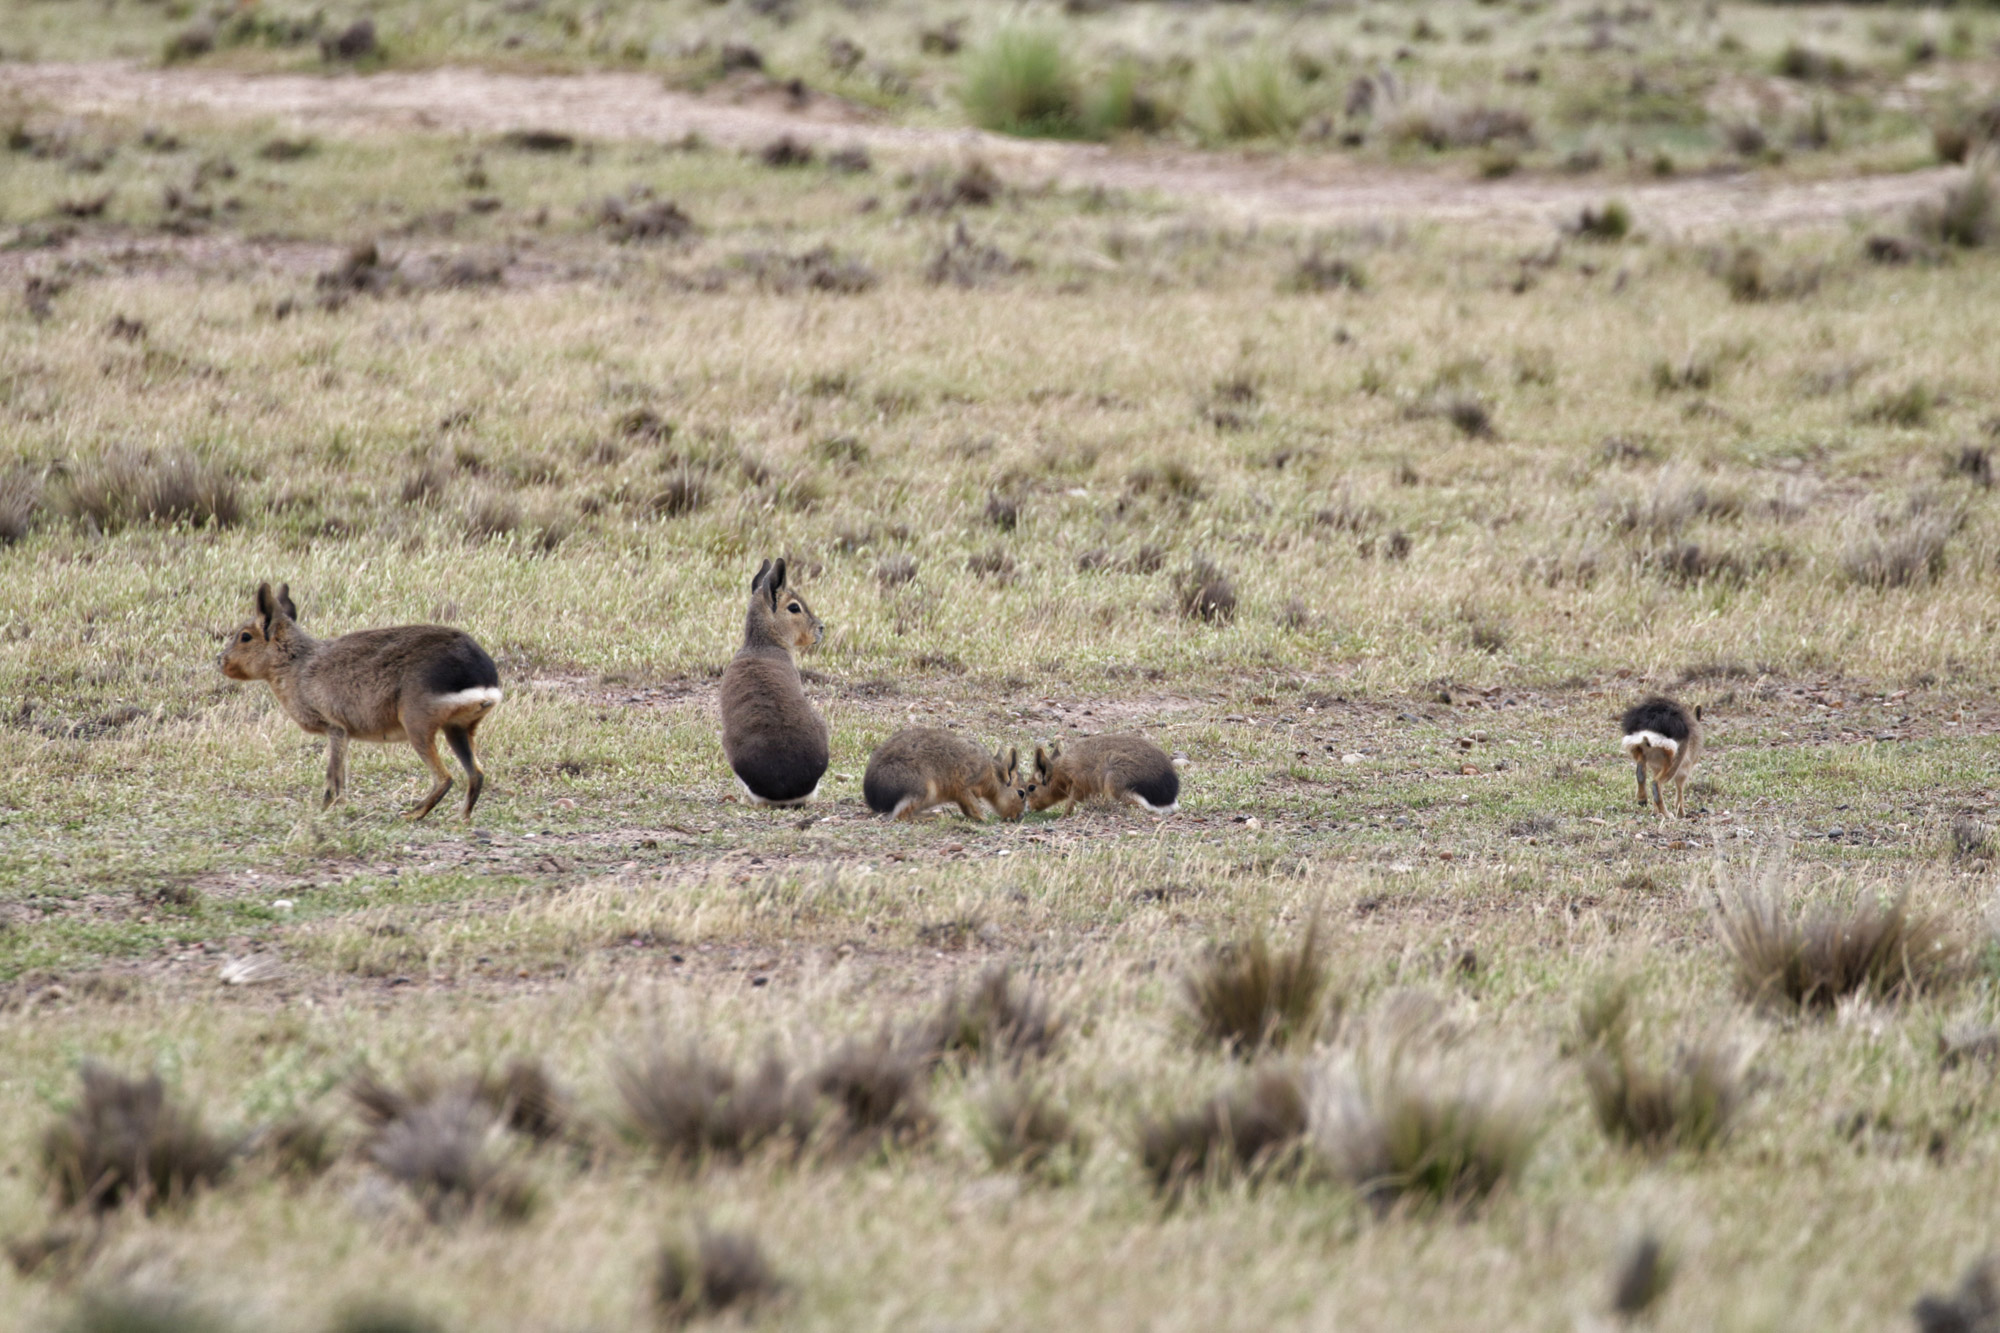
(1640,763)
(1659,803)
(336,767)
(424,741)
(459,736)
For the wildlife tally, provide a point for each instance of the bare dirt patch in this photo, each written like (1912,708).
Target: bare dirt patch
(614,106)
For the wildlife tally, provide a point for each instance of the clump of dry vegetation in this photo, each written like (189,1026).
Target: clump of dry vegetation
(1256,1129)
(693,1109)
(1207,594)
(20,503)
(719,1272)
(1851,944)
(998,1021)
(1973,1307)
(444,1145)
(1644,1272)
(1248,996)
(127,484)
(1966,215)
(1907,553)
(1401,1119)
(1690,1101)
(127,1141)
(875,1089)
(1023,1127)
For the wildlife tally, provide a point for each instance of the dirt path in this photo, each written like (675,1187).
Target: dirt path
(1328,190)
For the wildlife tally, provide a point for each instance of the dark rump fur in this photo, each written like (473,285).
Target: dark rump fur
(1664,716)
(880,794)
(1159,789)
(463,665)
(779,774)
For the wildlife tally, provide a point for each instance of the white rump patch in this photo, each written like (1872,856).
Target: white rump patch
(484,695)
(1145,804)
(1639,740)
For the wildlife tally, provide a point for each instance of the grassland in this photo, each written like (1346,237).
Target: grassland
(1470,488)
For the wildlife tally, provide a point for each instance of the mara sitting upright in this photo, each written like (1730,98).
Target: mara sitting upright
(413,683)
(919,768)
(1663,739)
(1117,767)
(775,742)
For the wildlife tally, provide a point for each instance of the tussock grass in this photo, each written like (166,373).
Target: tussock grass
(1022,1126)
(997,1021)
(127,1141)
(1967,214)
(1255,1130)
(446,1149)
(693,1109)
(1855,944)
(1021,81)
(1255,97)
(1248,996)
(20,503)
(1971,1307)
(718,1272)
(1400,1119)
(875,1088)
(1690,1101)
(127,484)
(1909,553)
(1642,1276)
(1207,594)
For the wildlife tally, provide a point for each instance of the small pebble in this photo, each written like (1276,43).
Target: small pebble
(283,905)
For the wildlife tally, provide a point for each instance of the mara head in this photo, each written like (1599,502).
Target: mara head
(1007,774)
(1043,789)
(778,614)
(259,645)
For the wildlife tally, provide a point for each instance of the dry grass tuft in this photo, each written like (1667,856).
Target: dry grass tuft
(444,1149)
(1967,215)
(1908,554)
(1690,1102)
(301,1147)
(893,571)
(127,1141)
(1318,271)
(127,485)
(1207,594)
(1644,1272)
(1973,1308)
(1024,1128)
(685,491)
(692,1109)
(528,1099)
(997,1022)
(1402,1121)
(490,513)
(1247,996)
(721,1271)
(20,503)
(1256,1130)
(1866,945)
(1612,222)
(876,1087)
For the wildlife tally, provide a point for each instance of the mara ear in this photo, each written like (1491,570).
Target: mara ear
(757,584)
(267,606)
(1055,751)
(776,582)
(1013,761)
(1041,762)
(285,602)
(1697,712)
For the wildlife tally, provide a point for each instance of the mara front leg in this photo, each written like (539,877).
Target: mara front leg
(336,766)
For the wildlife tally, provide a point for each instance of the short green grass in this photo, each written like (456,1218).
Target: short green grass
(1406,729)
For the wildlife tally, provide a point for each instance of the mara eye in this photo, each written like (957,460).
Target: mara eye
(245,637)
(795,608)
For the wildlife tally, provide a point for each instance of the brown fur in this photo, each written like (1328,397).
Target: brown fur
(411,683)
(922,767)
(777,745)
(1663,763)
(1119,767)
